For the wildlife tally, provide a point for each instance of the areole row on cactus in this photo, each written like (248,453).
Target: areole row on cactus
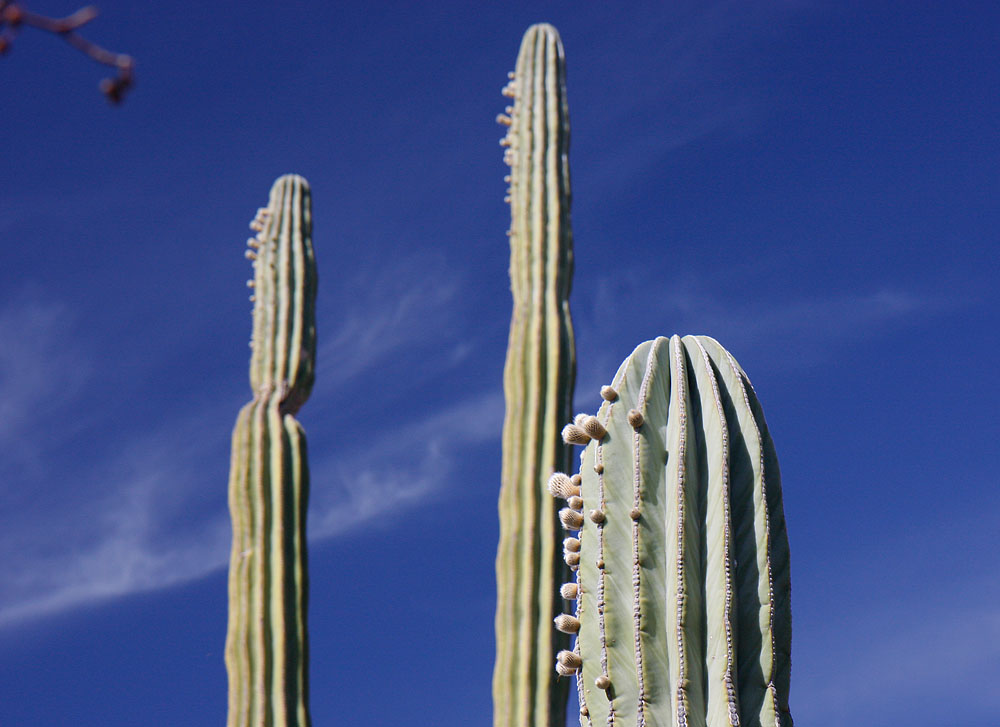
(538,386)
(267,643)
(681,560)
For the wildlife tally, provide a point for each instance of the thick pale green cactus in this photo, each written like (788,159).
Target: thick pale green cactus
(682,576)
(538,384)
(266,645)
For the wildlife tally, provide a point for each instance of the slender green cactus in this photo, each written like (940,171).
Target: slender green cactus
(682,567)
(266,645)
(538,384)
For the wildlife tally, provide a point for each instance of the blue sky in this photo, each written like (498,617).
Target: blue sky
(814,183)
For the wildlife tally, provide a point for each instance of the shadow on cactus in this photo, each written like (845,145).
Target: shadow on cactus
(678,554)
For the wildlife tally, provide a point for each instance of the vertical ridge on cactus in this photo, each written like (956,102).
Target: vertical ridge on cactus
(538,384)
(683,584)
(267,643)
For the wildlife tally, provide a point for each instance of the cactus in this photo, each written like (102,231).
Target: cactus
(681,563)
(682,569)
(266,644)
(538,384)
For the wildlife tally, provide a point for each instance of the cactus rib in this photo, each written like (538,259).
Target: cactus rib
(683,582)
(266,644)
(538,384)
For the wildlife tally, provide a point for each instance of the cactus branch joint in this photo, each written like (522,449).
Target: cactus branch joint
(267,653)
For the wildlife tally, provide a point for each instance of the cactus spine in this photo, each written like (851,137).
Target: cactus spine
(538,384)
(266,644)
(682,588)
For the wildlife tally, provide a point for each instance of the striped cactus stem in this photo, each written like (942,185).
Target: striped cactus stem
(266,645)
(538,384)
(681,561)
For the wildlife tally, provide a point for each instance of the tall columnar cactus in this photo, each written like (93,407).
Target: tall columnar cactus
(266,645)
(681,563)
(538,384)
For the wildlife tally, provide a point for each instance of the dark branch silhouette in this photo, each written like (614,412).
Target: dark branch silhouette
(13,16)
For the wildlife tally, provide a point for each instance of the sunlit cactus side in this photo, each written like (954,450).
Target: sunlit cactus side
(681,561)
(538,384)
(267,643)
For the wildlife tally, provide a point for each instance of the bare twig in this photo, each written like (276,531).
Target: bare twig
(13,16)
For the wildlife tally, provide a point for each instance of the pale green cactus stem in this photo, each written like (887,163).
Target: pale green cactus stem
(266,645)
(538,383)
(682,568)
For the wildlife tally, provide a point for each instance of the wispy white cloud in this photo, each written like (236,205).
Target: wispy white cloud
(147,524)
(810,326)
(905,658)
(115,527)
(129,541)
(689,72)
(150,512)
(906,627)
(389,313)
(42,368)
(408,465)
(822,318)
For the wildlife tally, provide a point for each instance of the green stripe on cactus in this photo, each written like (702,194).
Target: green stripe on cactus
(538,385)
(266,644)
(683,579)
